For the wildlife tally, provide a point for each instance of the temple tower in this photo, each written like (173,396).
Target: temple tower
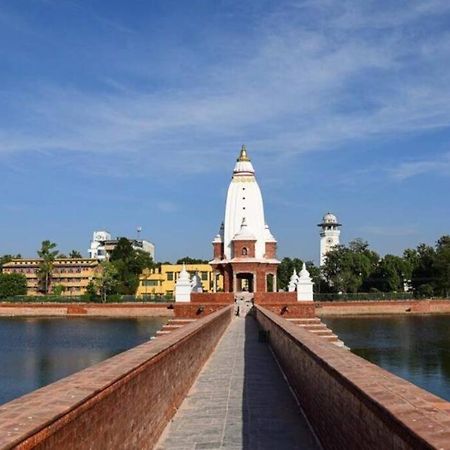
(329,236)
(245,249)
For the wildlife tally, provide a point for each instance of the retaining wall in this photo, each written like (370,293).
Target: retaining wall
(87,309)
(351,403)
(382,307)
(124,402)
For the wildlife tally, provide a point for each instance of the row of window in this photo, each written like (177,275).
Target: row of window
(63,270)
(171,276)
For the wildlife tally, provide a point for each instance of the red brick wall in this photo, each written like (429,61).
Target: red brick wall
(212,297)
(218,250)
(90,309)
(271,249)
(196,310)
(122,403)
(275,297)
(298,310)
(351,403)
(382,307)
(239,245)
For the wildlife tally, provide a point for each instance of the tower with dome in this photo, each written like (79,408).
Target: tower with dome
(329,235)
(245,249)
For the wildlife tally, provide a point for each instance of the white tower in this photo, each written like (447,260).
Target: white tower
(329,236)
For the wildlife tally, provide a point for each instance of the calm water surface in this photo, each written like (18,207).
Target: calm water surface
(38,351)
(416,348)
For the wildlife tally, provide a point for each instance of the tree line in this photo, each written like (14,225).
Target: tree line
(353,268)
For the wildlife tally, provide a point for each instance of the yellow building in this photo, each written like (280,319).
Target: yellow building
(161,280)
(73,274)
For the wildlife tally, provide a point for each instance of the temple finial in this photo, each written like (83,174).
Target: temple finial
(243,155)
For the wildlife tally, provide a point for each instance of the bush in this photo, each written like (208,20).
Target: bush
(12,284)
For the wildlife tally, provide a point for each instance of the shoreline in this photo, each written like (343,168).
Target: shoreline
(381,307)
(86,310)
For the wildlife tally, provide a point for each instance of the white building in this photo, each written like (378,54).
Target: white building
(102,245)
(329,236)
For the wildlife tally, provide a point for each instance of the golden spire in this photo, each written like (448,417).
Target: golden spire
(243,156)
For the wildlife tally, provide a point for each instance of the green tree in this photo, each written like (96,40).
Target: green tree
(58,289)
(285,271)
(129,264)
(188,260)
(442,266)
(75,254)
(7,258)
(91,291)
(390,274)
(347,268)
(423,276)
(47,253)
(105,282)
(12,284)
(143,260)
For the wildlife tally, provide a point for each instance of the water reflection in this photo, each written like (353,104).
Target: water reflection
(416,348)
(37,351)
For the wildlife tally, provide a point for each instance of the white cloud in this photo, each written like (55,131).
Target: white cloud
(319,76)
(437,166)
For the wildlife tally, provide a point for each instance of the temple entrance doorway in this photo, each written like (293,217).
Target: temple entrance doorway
(244,282)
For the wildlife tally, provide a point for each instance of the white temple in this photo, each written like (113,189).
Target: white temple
(244,200)
(245,249)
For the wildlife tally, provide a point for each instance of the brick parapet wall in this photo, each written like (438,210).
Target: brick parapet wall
(124,402)
(382,307)
(350,402)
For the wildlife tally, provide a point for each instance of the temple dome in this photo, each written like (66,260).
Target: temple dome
(329,218)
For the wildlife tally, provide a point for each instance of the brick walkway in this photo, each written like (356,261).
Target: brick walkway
(239,401)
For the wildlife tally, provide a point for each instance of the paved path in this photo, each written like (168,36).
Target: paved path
(239,401)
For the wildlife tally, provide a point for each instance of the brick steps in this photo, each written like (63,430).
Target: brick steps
(317,327)
(172,325)
(306,321)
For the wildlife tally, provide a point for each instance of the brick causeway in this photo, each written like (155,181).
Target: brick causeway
(351,403)
(124,402)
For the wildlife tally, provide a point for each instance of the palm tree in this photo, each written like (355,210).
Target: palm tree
(48,255)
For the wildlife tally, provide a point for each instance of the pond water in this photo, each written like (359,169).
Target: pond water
(37,351)
(416,348)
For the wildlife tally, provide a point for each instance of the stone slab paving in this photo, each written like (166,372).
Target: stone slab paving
(239,401)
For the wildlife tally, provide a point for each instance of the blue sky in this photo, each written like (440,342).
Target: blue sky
(115,114)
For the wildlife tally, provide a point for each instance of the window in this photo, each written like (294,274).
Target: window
(204,276)
(244,251)
(170,276)
(150,283)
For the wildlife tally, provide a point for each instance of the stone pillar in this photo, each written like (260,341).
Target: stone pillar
(304,286)
(183,287)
